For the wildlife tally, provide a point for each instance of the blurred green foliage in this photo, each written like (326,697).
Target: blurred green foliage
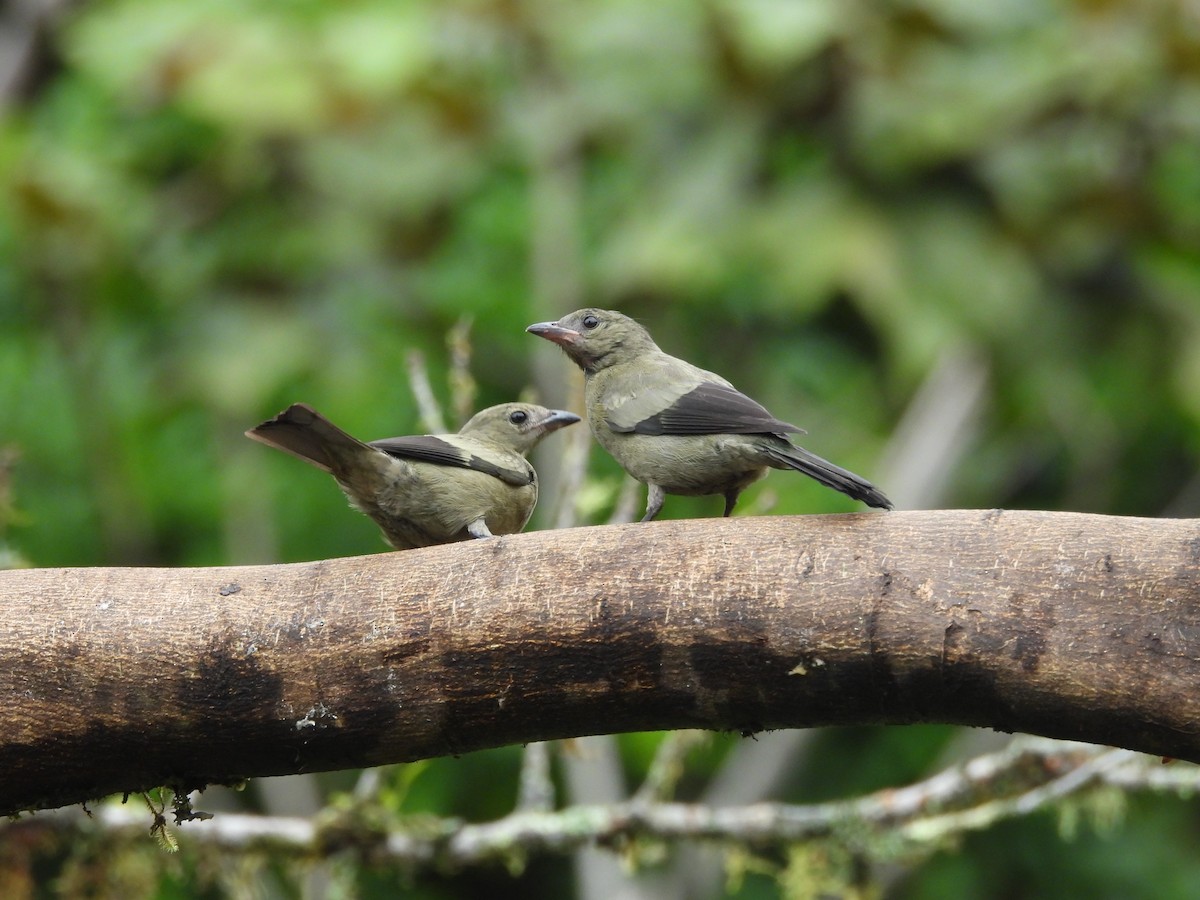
(209,210)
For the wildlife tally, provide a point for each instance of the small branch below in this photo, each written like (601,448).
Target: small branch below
(1028,775)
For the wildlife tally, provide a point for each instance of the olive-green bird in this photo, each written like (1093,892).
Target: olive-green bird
(675,427)
(431,488)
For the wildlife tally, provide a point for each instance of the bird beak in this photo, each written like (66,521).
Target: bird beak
(558,418)
(552,331)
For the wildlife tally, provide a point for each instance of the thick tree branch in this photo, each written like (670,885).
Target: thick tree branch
(1066,625)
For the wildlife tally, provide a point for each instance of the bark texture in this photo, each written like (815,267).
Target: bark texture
(1066,625)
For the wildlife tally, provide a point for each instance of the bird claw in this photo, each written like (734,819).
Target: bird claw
(479,529)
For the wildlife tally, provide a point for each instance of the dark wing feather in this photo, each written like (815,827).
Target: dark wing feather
(430,449)
(712,408)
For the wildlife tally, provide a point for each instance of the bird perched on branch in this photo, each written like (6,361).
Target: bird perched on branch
(428,489)
(675,427)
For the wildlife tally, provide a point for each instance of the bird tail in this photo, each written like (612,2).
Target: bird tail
(789,456)
(306,434)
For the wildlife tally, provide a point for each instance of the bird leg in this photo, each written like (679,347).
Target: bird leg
(654,501)
(479,529)
(730,501)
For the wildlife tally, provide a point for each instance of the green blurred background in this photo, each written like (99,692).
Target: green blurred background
(958,241)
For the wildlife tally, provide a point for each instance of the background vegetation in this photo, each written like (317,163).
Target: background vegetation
(957,241)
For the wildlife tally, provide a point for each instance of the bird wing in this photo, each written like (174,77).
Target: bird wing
(440,451)
(709,407)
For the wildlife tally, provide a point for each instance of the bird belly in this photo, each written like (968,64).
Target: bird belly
(685,464)
(422,504)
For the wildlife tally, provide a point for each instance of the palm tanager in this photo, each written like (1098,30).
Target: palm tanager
(428,489)
(675,427)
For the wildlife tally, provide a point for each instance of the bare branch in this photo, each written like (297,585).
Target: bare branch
(937,430)
(1066,625)
(418,381)
(573,462)
(935,828)
(462,383)
(629,499)
(1027,776)
(667,767)
(535,791)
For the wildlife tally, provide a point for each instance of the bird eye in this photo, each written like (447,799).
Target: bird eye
(518,417)
(590,321)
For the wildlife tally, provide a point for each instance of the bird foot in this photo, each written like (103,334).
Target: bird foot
(479,529)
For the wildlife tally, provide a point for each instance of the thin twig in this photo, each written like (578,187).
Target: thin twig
(572,471)
(462,383)
(535,790)
(626,507)
(1046,771)
(667,766)
(937,430)
(427,405)
(366,789)
(935,828)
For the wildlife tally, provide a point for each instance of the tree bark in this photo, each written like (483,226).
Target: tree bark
(1065,625)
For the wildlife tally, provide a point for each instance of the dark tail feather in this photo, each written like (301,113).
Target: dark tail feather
(789,456)
(303,432)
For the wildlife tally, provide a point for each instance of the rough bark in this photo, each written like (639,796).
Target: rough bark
(1066,625)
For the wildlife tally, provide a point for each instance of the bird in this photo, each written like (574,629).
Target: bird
(432,488)
(675,427)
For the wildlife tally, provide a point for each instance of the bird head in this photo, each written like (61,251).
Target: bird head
(596,338)
(517,426)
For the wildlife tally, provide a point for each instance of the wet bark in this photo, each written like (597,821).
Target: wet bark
(1065,625)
